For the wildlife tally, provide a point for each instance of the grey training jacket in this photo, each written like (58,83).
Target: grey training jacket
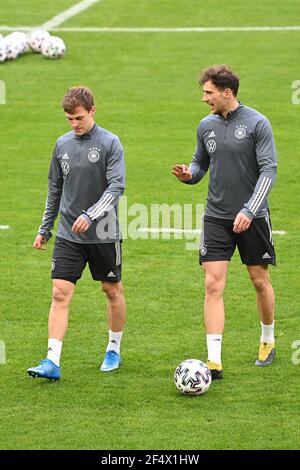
(87,175)
(241,155)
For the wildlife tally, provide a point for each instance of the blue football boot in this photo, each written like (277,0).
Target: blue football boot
(46,369)
(111,361)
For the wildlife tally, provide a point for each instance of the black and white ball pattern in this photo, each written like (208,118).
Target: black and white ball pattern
(192,377)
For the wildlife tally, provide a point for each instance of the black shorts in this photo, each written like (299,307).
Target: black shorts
(255,245)
(70,258)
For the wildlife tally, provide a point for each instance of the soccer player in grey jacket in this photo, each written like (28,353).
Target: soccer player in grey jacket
(236,143)
(86,180)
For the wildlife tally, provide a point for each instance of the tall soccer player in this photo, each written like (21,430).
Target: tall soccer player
(86,180)
(236,144)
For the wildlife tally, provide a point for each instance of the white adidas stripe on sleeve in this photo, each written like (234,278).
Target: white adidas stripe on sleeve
(101,207)
(261,193)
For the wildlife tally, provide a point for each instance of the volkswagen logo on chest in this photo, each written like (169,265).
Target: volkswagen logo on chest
(211,145)
(65,167)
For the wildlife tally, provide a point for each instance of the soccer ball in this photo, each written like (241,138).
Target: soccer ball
(37,38)
(2,49)
(53,47)
(21,40)
(192,377)
(13,48)
(13,45)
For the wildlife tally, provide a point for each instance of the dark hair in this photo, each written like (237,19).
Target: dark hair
(77,96)
(221,77)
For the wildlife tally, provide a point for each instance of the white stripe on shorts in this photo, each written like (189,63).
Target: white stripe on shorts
(118,253)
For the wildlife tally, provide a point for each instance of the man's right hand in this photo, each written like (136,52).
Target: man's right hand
(182,172)
(39,242)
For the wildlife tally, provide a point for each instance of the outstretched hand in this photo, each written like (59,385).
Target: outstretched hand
(182,172)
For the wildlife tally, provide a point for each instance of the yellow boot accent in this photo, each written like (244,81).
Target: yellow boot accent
(215,369)
(266,354)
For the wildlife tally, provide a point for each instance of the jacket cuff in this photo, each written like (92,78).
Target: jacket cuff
(248,213)
(45,233)
(87,217)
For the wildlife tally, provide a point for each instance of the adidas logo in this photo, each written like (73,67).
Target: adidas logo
(111,274)
(212,134)
(65,156)
(266,256)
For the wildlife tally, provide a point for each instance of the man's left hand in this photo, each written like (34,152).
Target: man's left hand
(81,225)
(241,223)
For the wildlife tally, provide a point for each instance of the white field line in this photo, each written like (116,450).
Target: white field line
(167,230)
(65,15)
(52,26)
(179,230)
(181,30)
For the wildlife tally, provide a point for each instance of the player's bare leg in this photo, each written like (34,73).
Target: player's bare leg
(116,315)
(215,279)
(214,314)
(260,278)
(265,299)
(116,307)
(62,293)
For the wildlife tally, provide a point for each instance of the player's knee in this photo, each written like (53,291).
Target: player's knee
(214,285)
(260,284)
(113,291)
(60,294)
